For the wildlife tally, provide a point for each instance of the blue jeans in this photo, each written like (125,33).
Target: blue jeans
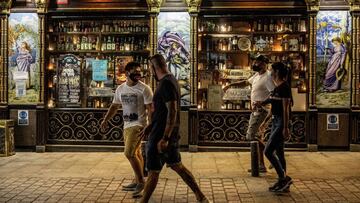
(276,144)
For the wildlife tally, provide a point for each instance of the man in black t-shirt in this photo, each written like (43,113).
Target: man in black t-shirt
(163,141)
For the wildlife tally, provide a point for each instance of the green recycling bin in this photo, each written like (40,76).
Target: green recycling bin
(7,145)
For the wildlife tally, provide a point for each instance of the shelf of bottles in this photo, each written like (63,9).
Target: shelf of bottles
(227,47)
(118,41)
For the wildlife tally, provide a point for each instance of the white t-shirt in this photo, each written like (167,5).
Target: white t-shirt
(133,100)
(261,86)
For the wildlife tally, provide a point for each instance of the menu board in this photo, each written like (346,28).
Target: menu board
(69,80)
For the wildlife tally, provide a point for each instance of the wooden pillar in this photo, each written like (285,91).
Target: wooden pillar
(154,10)
(4,59)
(41,112)
(355,52)
(313,9)
(355,66)
(193,9)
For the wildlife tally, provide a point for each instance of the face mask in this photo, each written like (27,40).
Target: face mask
(133,76)
(256,68)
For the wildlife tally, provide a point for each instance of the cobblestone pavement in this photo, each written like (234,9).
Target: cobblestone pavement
(97,177)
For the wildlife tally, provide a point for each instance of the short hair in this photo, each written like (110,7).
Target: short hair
(132,65)
(159,60)
(281,69)
(262,58)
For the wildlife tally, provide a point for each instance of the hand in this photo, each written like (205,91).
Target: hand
(162,145)
(145,132)
(262,128)
(286,133)
(103,125)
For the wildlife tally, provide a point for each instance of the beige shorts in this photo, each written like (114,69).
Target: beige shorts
(132,140)
(256,119)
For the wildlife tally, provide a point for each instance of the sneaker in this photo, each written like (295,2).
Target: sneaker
(130,187)
(262,169)
(274,187)
(284,184)
(138,190)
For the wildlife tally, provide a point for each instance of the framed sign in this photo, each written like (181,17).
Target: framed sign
(332,122)
(23,117)
(69,80)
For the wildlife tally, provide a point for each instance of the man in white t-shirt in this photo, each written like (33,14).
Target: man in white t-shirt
(135,97)
(261,86)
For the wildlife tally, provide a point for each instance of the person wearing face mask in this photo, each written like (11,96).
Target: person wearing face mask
(136,99)
(261,86)
(163,132)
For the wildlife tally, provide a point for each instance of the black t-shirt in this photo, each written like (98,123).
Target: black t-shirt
(167,90)
(280,92)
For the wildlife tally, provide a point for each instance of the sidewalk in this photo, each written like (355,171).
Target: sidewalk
(97,177)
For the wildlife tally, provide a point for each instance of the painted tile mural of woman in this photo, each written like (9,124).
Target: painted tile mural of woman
(174,44)
(335,70)
(333,59)
(23,67)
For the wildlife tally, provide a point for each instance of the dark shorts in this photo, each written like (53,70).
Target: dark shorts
(155,161)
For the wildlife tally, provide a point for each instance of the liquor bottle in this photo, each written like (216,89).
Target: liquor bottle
(203,101)
(254,28)
(82,43)
(122,46)
(113,44)
(117,44)
(267,42)
(229,44)
(260,26)
(271,26)
(93,44)
(90,42)
(234,43)
(266,26)
(103,44)
(271,43)
(108,43)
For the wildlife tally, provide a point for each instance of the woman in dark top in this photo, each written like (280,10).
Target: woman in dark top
(280,101)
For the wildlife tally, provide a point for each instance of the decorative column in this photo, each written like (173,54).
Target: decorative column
(355,66)
(41,114)
(154,10)
(4,13)
(194,8)
(313,7)
(355,58)
(41,6)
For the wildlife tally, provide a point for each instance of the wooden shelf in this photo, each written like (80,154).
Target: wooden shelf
(101,52)
(99,33)
(220,34)
(248,52)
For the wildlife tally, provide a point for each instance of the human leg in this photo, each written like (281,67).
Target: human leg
(150,185)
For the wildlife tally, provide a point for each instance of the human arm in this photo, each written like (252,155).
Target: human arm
(242,84)
(109,114)
(170,124)
(146,131)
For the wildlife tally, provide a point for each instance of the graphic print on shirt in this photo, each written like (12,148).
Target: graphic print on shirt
(130,111)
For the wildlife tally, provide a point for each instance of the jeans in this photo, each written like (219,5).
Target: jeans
(276,144)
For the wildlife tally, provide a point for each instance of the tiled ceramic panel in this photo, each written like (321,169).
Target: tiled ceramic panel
(333,41)
(24,80)
(174,44)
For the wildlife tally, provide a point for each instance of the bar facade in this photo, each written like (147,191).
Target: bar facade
(58,75)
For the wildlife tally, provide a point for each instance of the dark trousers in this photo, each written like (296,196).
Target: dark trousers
(274,149)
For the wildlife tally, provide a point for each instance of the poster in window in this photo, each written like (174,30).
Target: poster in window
(99,70)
